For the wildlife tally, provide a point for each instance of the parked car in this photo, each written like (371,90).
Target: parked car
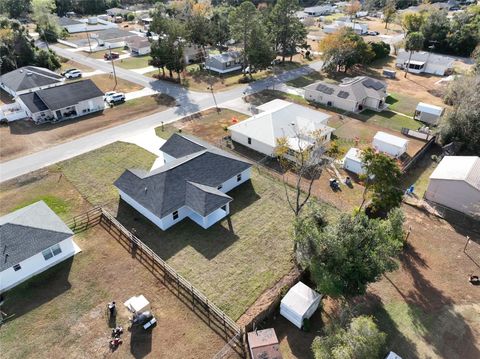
(108,94)
(67,71)
(249,70)
(111,55)
(75,74)
(373,33)
(116,98)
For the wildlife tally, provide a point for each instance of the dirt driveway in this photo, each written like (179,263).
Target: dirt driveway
(21,138)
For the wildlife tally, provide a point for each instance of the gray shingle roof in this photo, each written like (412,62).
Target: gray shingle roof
(113,33)
(66,21)
(180,181)
(58,97)
(179,146)
(29,231)
(28,77)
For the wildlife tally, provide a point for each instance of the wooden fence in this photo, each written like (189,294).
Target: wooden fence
(216,319)
(419,154)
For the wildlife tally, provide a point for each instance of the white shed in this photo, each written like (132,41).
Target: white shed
(353,161)
(428,113)
(299,303)
(455,183)
(390,144)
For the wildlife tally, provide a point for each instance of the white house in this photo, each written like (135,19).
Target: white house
(193,183)
(357,27)
(138,45)
(299,304)
(352,94)
(353,161)
(63,102)
(28,79)
(319,10)
(92,23)
(32,239)
(300,125)
(224,63)
(455,183)
(423,61)
(111,38)
(428,113)
(392,145)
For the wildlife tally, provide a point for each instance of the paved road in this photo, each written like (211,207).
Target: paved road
(188,102)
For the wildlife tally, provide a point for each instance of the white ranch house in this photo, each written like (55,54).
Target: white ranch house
(352,94)
(193,183)
(301,126)
(29,78)
(32,239)
(455,183)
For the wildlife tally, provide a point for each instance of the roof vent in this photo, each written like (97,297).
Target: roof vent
(29,73)
(21,71)
(146,189)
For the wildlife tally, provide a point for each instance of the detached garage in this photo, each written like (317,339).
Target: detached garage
(392,145)
(455,183)
(299,303)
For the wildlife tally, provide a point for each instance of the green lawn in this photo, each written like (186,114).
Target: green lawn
(306,80)
(93,173)
(402,103)
(388,119)
(134,62)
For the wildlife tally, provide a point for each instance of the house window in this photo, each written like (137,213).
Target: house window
(17,267)
(249,141)
(239,177)
(52,252)
(224,208)
(228,64)
(220,187)
(175,215)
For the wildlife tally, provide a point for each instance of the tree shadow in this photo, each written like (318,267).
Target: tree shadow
(43,287)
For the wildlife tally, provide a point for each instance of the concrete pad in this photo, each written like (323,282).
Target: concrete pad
(146,91)
(144,70)
(149,141)
(92,73)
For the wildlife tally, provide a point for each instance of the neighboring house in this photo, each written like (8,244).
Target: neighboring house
(423,61)
(300,125)
(71,25)
(319,10)
(29,78)
(264,344)
(299,304)
(63,102)
(139,45)
(112,38)
(193,183)
(391,145)
(352,94)
(92,23)
(225,62)
(353,161)
(428,113)
(192,53)
(32,239)
(455,183)
(358,28)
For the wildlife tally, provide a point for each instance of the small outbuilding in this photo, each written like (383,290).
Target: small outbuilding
(264,344)
(353,161)
(455,183)
(428,113)
(392,145)
(299,304)
(137,304)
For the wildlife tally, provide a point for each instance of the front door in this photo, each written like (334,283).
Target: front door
(59,114)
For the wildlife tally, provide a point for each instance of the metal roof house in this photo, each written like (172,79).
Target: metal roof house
(192,183)
(300,125)
(357,28)
(423,61)
(352,94)
(319,10)
(29,78)
(455,183)
(32,239)
(63,102)
(224,62)
(428,113)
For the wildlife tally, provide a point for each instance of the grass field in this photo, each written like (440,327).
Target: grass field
(134,62)
(388,119)
(306,80)
(106,83)
(402,103)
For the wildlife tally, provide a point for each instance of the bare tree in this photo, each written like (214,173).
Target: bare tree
(301,158)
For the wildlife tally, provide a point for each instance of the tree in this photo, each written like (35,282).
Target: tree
(389,12)
(476,59)
(343,257)
(198,29)
(241,20)
(413,42)
(305,163)
(464,33)
(352,8)
(260,56)
(14,8)
(344,49)
(434,29)
(361,340)
(382,181)
(47,22)
(462,123)
(412,21)
(380,49)
(219,26)
(287,29)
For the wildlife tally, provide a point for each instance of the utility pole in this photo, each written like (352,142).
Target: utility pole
(113,66)
(88,38)
(45,39)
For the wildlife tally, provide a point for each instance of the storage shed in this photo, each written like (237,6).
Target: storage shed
(455,183)
(299,303)
(353,162)
(263,344)
(428,113)
(392,145)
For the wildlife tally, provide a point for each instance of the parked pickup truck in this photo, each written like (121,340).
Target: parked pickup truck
(111,55)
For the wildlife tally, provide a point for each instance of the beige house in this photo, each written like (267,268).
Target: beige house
(352,94)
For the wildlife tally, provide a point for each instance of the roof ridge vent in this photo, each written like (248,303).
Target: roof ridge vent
(29,73)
